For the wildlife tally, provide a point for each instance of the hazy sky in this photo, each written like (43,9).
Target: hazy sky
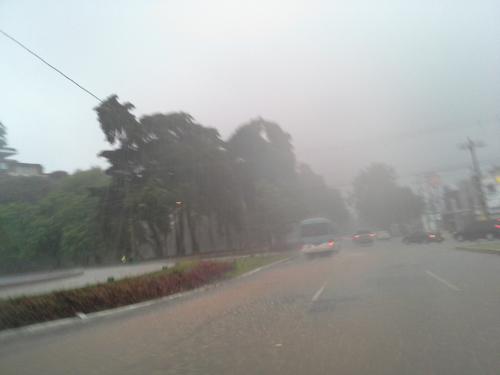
(352,81)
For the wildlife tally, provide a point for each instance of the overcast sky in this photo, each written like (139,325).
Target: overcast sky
(352,81)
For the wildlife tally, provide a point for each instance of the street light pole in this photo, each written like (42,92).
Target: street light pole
(471,146)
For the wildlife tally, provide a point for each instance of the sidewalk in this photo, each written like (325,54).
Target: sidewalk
(42,282)
(14,280)
(38,283)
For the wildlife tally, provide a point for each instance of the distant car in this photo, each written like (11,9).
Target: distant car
(317,236)
(435,237)
(488,229)
(383,235)
(363,237)
(423,237)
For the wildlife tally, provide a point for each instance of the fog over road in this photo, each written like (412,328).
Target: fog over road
(383,309)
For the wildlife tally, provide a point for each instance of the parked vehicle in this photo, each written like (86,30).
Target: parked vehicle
(488,229)
(318,236)
(363,237)
(423,237)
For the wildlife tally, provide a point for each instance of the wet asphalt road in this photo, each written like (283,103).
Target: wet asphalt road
(384,309)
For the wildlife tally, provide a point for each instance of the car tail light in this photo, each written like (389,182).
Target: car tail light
(372,234)
(356,236)
(432,236)
(331,243)
(497,226)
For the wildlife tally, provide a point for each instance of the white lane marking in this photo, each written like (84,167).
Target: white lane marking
(264,267)
(447,283)
(252,272)
(318,292)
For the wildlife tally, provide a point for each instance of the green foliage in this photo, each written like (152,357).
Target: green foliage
(159,161)
(170,180)
(16,229)
(59,229)
(82,182)
(170,173)
(24,189)
(33,188)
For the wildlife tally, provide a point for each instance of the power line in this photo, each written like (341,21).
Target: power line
(50,65)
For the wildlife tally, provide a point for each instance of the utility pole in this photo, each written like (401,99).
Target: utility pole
(471,146)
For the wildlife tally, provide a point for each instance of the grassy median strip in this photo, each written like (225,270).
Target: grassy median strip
(246,264)
(21,311)
(493,247)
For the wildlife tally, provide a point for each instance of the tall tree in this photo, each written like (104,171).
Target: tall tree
(163,166)
(380,201)
(320,199)
(6,151)
(118,212)
(168,166)
(267,180)
(266,150)
(191,160)
(3,136)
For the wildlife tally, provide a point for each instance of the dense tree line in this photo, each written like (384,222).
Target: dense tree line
(53,226)
(176,184)
(173,187)
(382,203)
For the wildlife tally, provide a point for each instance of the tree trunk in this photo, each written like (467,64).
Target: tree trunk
(192,232)
(229,237)
(211,236)
(179,234)
(158,243)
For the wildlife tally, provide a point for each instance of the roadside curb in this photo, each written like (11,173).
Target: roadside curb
(82,318)
(478,250)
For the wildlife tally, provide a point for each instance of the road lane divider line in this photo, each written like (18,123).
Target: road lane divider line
(319,292)
(445,282)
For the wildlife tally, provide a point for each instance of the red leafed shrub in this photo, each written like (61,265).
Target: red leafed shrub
(27,310)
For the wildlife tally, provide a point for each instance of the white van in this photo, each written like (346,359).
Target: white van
(317,235)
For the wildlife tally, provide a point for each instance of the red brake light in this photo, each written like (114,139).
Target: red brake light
(331,243)
(372,234)
(497,226)
(432,236)
(355,236)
